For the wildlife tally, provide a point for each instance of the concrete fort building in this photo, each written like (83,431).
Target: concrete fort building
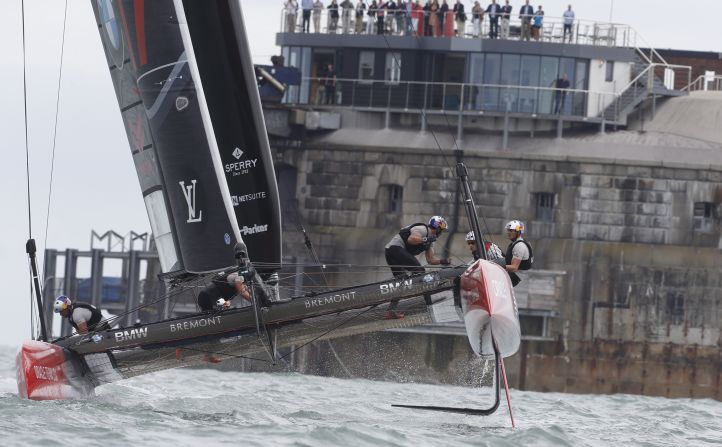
(617,176)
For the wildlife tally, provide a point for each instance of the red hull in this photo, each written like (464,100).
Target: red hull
(44,372)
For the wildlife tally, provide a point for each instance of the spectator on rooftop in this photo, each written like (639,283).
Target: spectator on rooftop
(332,17)
(525,14)
(477,15)
(307,6)
(494,12)
(380,14)
(346,11)
(460,17)
(373,7)
(317,9)
(443,10)
(537,24)
(568,22)
(291,7)
(505,17)
(360,9)
(434,18)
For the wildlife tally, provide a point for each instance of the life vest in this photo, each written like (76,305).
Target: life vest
(526,264)
(414,249)
(95,316)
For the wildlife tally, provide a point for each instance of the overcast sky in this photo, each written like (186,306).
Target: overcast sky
(94,185)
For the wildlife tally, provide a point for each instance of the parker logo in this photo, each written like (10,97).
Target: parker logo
(133,334)
(254,229)
(190,194)
(241,166)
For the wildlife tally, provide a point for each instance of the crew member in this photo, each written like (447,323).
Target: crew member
(411,241)
(82,316)
(218,294)
(519,255)
(492,250)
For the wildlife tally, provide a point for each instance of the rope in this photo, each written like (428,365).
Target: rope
(25,106)
(55,131)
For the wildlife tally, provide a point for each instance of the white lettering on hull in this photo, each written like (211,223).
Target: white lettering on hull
(395,286)
(133,334)
(330,299)
(193,324)
(47,373)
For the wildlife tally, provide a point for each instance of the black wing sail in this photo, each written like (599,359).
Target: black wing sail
(166,82)
(223,57)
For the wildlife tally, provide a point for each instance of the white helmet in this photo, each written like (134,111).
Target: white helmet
(61,303)
(470,237)
(515,225)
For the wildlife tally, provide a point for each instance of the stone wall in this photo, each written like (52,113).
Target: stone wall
(639,307)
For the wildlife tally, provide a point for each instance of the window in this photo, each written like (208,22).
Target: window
(609,75)
(366,65)
(393,68)
(703,216)
(545,206)
(675,308)
(392,197)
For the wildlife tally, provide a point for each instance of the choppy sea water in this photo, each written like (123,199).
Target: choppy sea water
(208,407)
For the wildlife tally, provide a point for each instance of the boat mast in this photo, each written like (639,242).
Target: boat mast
(30,249)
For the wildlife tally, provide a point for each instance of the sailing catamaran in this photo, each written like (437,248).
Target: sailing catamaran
(188,96)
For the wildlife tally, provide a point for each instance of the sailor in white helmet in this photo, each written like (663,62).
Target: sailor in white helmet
(519,255)
(492,250)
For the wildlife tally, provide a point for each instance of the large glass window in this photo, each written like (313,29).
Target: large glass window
(306,73)
(580,78)
(366,65)
(492,68)
(509,76)
(547,78)
(476,78)
(567,66)
(393,67)
(529,74)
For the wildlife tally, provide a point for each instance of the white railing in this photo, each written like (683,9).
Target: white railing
(703,82)
(584,32)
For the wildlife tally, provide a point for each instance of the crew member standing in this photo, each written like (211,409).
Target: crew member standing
(411,241)
(519,255)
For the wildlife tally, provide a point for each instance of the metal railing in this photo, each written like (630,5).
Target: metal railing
(703,82)
(403,23)
(462,98)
